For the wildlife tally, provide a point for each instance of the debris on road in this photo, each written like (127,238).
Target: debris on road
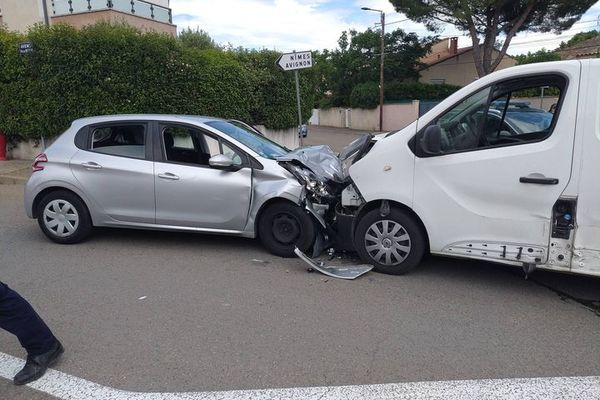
(341,271)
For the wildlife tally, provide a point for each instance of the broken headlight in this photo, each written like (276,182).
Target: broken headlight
(310,181)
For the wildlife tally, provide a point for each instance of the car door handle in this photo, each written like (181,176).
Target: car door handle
(169,176)
(539,180)
(91,165)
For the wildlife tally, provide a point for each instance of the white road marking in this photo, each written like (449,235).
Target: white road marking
(67,387)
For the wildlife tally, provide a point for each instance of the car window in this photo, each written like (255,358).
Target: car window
(120,140)
(212,145)
(251,138)
(182,137)
(461,125)
(229,152)
(192,146)
(513,112)
(522,114)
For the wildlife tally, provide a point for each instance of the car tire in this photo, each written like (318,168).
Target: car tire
(64,218)
(394,244)
(284,226)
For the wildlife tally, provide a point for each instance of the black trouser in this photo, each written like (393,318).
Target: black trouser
(19,318)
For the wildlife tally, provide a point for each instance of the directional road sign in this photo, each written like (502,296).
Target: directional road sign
(25,47)
(296,60)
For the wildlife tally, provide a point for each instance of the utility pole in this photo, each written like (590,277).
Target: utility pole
(381,71)
(381,63)
(45,8)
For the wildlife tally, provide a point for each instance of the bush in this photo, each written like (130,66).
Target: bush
(365,95)
(116,69)
(274,97)
(397,91)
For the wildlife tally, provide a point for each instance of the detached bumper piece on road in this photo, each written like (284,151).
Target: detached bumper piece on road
(340,272)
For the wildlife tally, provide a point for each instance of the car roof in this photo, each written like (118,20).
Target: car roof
(149,117)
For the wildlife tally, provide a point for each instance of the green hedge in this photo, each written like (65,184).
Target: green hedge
(395,91)
(366,95)
(115,69)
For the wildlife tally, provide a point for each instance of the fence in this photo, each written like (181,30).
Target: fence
(135,7)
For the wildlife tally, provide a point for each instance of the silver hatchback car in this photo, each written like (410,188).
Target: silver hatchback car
(169,172)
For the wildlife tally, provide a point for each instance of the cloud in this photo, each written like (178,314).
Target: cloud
(287,25)
(283,25)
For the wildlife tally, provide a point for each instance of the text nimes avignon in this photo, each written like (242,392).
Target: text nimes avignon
(299,60)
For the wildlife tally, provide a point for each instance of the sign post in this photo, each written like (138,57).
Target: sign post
(293,62)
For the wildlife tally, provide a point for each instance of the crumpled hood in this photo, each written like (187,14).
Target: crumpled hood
(320,159)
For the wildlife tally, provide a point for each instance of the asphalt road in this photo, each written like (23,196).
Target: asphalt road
(336,138)
(149,311)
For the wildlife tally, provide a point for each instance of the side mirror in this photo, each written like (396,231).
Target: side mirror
(431,142)
(220,161)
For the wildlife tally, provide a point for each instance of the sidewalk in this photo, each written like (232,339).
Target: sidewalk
(13,172)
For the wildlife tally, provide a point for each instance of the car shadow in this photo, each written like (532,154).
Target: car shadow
(582,289)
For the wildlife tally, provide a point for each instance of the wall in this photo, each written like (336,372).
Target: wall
(395,116)
(285,137)
(459,70)
(18,15)
(89,18)
(26,150)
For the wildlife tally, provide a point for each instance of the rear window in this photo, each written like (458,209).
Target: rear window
(120,140)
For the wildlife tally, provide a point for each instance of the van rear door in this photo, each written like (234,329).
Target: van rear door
(586,253)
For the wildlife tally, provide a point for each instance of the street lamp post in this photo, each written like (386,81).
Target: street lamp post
(381,63)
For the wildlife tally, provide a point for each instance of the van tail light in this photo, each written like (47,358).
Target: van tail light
(38,163)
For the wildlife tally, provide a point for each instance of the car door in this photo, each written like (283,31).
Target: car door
(488,194)
(114,168)
(190,193)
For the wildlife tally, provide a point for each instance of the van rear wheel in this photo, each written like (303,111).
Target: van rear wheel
(393,244)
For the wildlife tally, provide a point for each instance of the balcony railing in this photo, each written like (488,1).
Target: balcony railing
(140,8)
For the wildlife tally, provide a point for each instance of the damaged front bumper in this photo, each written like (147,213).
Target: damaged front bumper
(332,199)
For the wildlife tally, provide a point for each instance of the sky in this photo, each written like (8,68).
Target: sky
(287,25)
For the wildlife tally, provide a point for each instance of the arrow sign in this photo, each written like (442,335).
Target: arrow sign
(294,61)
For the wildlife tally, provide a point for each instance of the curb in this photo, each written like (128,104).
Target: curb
(11,180)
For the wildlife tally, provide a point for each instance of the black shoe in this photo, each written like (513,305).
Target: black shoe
(36,366)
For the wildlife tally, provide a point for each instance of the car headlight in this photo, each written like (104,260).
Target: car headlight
(312,183)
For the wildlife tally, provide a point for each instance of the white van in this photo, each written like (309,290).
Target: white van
(506,170)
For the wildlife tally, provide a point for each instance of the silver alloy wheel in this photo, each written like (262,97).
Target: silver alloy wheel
(387,242)
(61,218)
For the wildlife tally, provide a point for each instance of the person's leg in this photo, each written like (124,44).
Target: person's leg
(19,318)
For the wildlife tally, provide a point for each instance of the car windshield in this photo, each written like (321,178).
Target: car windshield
(258,143)
(530,121)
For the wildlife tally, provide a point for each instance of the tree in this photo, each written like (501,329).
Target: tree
(491,20)
(356,60)
(197,39)
(578,38)
(542,55)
